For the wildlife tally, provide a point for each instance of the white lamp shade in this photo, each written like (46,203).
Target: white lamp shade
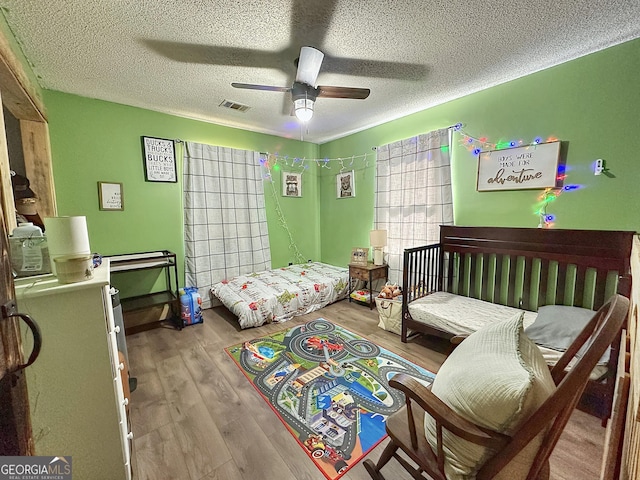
(378,238)
(303,108)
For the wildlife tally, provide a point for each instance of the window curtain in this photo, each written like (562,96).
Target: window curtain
(413,193)
(225,222)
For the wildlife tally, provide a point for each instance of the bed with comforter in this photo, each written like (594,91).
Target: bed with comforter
(282,293)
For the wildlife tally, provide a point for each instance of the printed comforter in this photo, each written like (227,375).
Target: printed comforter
(279,294)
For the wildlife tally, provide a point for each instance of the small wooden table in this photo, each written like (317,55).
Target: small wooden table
(368,273)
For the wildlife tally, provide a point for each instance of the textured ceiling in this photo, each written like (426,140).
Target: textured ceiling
(180,56)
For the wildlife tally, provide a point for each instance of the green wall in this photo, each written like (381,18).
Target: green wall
(591,104)
(93,140)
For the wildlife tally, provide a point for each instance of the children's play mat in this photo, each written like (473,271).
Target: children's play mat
(329,386)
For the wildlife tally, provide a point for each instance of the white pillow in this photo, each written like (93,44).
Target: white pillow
(496,379)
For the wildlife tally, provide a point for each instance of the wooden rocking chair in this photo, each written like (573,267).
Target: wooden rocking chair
(406,427)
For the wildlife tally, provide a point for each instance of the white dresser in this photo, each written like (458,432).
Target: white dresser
(76,396)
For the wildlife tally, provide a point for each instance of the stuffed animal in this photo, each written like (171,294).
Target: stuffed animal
(390,291)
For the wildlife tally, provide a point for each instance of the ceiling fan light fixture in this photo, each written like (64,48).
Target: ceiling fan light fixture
(303,108)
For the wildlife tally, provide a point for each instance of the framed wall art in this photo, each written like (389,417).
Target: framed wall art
(360,256)
(346,184)
(110,196)
(291,184)
(532,166)
(159,160)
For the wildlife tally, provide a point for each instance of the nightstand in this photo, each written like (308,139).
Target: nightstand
(367,273)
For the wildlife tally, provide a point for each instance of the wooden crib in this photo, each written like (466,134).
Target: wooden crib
(524,268)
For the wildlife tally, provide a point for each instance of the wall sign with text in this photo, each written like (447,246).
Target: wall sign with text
(110,196)
(159,160)
(533,166)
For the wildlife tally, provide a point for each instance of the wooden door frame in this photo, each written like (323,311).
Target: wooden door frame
(24,101)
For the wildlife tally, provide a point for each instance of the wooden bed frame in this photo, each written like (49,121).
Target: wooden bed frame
(524,268)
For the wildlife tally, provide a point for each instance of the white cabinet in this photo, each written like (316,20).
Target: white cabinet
(75,393)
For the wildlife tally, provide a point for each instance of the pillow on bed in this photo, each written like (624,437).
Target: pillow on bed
(496,378)
(557,326)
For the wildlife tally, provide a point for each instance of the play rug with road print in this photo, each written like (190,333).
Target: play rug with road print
(329,386)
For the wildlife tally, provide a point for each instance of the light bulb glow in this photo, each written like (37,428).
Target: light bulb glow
(303,109)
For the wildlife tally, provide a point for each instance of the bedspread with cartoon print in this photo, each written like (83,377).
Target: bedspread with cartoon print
(279,294)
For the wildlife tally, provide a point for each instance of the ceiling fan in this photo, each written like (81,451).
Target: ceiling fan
(303,91)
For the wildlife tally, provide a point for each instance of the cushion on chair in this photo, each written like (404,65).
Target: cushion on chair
(496,379)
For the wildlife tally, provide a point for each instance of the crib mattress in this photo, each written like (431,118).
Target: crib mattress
(461,315)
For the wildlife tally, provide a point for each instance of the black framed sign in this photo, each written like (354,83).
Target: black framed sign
(159,160)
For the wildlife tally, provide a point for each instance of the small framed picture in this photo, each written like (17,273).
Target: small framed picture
(159,160)
(110,196)
(346,184)
(360,256)
(291,184)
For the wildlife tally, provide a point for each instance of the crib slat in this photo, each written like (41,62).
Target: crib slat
(476,259)
(415,273)
(600,289)
(434,268)
(422,262)
(484,288)
(578,298)
(419,271)
(561,283)
(512,301)
(451,259)
(526,286)
(464,275)
(497,280)
(544,282)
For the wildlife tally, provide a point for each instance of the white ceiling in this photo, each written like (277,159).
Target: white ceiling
(180,56)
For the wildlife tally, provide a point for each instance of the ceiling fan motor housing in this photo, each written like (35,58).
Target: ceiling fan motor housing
(301,91)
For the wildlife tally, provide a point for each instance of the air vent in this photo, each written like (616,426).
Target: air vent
(234,106)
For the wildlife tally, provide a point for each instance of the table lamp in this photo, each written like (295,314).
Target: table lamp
(378,240)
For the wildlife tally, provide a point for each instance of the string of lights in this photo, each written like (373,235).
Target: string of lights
(274,161)
(477,145)
(282,221)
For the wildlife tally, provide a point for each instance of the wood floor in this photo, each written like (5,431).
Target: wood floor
(196,417)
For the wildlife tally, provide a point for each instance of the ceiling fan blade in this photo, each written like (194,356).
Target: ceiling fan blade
(251,86)
(309,65)
(343,92)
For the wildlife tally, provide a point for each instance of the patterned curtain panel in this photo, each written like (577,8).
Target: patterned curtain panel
(413,194)
(225,222)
